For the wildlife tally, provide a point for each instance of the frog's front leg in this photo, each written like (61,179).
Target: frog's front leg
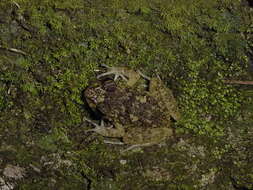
(105,131)
(117,71)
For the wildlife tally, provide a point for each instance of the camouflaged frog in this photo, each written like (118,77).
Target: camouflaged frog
(138,117)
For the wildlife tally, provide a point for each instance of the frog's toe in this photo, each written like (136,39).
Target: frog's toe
(92,122)
(144,76)
(104,65)
(105,74)
(117,75)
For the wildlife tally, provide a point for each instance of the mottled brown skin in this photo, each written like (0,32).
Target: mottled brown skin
(137,117)
(164,97)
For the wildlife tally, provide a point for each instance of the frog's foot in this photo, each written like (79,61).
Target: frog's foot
(107,131)
(100,129)
(113,70)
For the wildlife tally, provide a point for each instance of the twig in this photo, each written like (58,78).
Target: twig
(239,82)
(14,50)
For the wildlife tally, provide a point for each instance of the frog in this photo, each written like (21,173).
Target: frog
(156,87)
(139,118)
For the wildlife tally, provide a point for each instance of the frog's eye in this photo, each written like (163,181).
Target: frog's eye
(88,93)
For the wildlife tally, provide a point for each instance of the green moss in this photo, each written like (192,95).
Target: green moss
(52,141)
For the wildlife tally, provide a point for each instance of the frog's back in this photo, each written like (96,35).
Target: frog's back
(133,108)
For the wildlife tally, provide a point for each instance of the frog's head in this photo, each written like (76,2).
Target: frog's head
(94,95)
(97,92)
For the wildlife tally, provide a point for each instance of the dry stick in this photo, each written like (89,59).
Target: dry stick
(239,82)
(14,50)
